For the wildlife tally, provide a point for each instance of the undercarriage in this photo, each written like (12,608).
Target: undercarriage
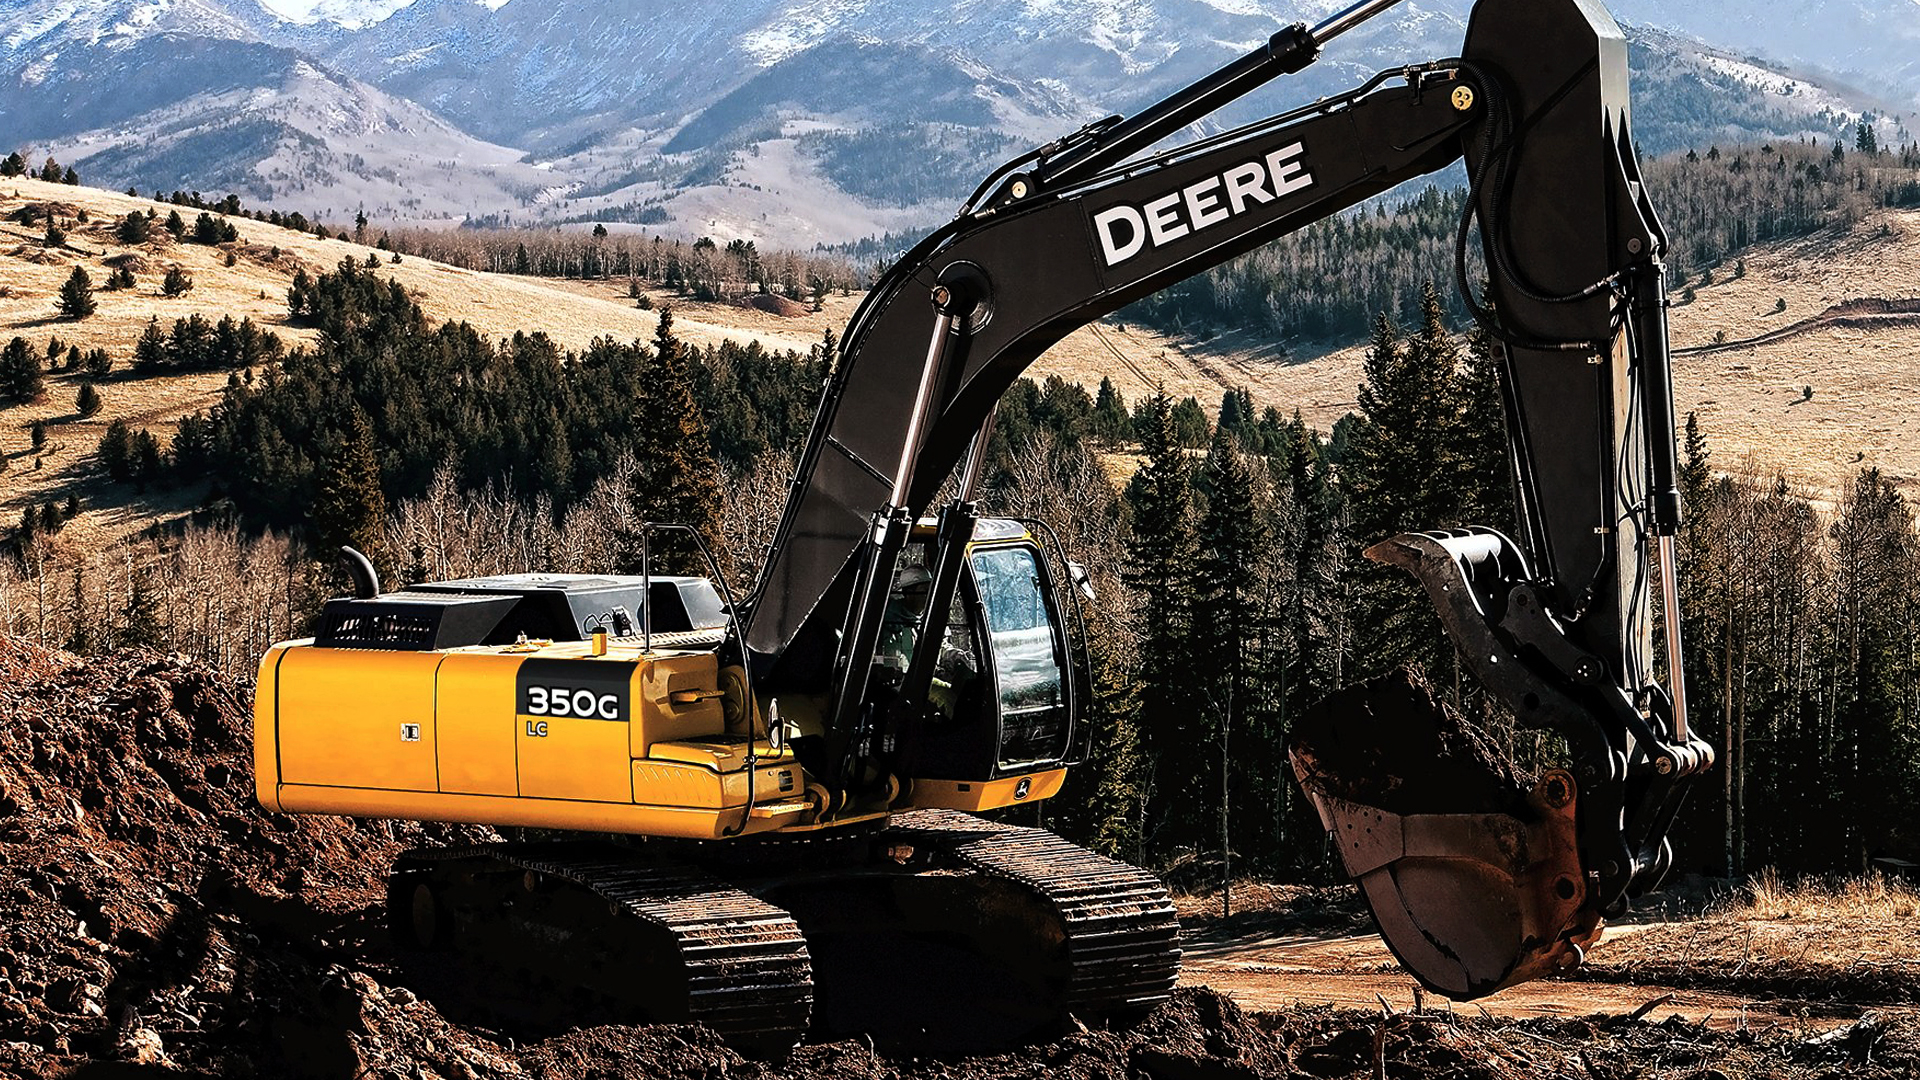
(942,931)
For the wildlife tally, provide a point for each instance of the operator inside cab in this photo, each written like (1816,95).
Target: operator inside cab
(958,663)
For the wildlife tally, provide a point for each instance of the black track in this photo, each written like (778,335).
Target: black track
(672,940)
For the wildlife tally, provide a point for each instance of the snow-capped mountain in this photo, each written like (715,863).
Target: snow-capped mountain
(41,29)
(1875,42)
(724,117)
(348,14)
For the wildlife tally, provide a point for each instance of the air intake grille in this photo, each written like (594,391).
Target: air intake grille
(378,630)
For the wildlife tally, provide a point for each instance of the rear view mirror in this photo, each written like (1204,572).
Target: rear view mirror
(1082,580)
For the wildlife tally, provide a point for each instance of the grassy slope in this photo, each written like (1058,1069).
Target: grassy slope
(1748,398)
(1866,380)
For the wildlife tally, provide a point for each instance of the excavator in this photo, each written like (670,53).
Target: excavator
(764,813)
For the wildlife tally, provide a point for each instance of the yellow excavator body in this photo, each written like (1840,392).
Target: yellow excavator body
(546,735)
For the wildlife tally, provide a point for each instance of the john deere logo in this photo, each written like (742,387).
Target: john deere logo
(1127,230)
(1025,785)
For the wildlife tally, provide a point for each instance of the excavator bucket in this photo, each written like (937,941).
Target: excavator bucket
(1471,869)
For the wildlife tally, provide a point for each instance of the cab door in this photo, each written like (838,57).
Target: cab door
(1027,653)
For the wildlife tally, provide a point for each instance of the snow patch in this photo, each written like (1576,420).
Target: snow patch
(802,27)
(1772,82)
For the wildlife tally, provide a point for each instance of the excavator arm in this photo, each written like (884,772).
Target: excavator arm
(1557,621)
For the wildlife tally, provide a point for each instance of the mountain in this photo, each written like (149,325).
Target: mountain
(190,94)
(1875,43)
(793,121)
(39,30)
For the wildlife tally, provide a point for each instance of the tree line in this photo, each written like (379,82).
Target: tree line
(1802,620)
(705,268)
(1233,595)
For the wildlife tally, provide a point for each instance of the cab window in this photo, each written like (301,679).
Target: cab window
(1026,655)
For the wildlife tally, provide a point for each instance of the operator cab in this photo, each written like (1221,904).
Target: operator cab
(1003,697)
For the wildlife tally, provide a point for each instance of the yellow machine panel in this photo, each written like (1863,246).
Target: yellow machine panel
(571,758)
(661,719)
(356,718)
(477,745)
(986,795)
(547,736)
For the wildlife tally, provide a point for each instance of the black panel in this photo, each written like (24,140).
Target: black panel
(504,609)
(578,689)
(568,607)
(412,621)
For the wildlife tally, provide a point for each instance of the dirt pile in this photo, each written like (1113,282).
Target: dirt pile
(1392,743)
(149,911)
(777,305)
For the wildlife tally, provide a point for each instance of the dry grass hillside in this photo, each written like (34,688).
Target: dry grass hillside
(1864,370)
(266,258)
(1752,399)
(255,287)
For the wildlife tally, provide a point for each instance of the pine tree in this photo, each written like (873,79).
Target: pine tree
(348,506)
(116,450)
(135,228)
(1117,759)
(1111,423)
(1875,552)
(150,351)
(21,377)
(1190,424)
(146,459)
(87,400)
(70,177)
(13,165)
(1695,472)
(76,296)
(140,621)
(1160,556)
(1229,622)
(1486,474)
(176,283)
(675,479)
(55,235)
(1403,472)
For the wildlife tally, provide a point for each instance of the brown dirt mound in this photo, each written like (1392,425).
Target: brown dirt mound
(130,261)
(1392,743)
(40,210)
(777,305)
(271,257)
(148,909)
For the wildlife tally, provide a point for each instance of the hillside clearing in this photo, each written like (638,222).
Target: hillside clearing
(1752,400)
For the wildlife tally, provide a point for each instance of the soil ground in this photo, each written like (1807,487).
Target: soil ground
(155,923)
(1763,958)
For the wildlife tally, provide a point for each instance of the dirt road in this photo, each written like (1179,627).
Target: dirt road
(1274,972)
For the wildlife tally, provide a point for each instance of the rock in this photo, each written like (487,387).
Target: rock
(142,1046)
